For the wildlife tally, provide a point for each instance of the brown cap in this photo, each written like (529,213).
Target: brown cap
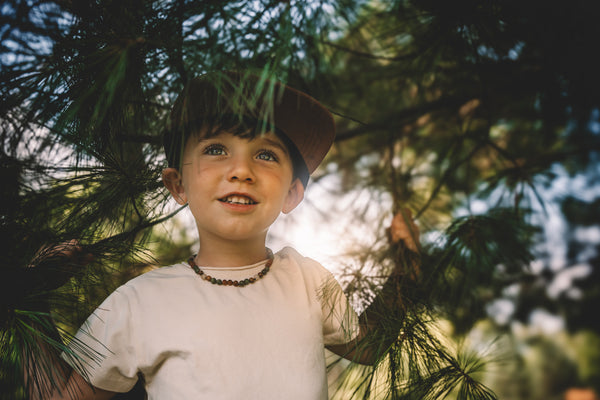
(300,117)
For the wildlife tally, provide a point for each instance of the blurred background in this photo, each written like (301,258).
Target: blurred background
(482,117)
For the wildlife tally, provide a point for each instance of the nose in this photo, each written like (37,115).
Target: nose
(241,170)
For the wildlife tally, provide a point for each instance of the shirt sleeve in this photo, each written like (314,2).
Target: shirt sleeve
(340,322)
(104,350)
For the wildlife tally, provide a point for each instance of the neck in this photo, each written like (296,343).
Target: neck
(230,253)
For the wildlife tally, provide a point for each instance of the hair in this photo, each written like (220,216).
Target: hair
(175,139)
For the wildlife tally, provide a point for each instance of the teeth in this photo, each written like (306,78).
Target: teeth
(237,200)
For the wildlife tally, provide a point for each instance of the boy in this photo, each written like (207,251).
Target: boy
(236,321)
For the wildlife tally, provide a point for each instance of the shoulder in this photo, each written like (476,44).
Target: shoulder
(127,306)
(291,254)
(175,271)
(155,281)
(291,258)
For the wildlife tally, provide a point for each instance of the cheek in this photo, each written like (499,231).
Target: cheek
(199,173)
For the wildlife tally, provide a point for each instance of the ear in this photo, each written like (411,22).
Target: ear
(172,181)
(294,196)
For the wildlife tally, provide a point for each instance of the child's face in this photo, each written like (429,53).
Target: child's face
(235,187)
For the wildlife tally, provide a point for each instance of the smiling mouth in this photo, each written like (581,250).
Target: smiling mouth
(237,199)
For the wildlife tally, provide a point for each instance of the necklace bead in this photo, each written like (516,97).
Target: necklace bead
(229,282)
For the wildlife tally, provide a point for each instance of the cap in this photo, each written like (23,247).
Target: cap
(305,122)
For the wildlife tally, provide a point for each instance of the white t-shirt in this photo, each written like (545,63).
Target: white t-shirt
(194,340)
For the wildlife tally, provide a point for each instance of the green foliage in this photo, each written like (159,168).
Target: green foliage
(481,255)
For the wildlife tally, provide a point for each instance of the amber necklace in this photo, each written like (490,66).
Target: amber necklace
(229,282)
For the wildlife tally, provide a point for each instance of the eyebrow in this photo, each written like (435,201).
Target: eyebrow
(272,142)
(277,144)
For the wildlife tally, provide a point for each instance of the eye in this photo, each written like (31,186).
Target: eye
(214,150)
(267,155)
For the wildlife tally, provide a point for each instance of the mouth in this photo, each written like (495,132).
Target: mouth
(237,199)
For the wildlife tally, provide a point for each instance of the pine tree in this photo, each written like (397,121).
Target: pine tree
(436,103)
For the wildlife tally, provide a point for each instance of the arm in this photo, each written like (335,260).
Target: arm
(46,374)
(48,377)
(375,337)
